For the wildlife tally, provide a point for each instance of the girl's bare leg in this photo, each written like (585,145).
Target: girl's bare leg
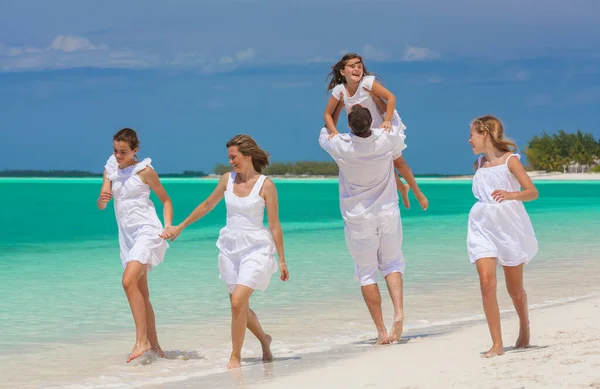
(407,174)
(131,277)
(514,285)
(486,267)
(150,320)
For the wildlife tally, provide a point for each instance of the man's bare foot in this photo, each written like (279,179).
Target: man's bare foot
(494,352)
(423,202)
(397,328)
(138,350)
(234,363)
(523,339)
(404,188)
(382,337)
(266,348)
(159,351)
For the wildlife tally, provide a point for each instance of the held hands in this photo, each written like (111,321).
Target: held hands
(285,273)
(171,232)
(502,195)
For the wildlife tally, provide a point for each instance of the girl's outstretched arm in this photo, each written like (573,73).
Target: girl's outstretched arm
(529,191)
(150,177)
(205,207)
(330,115)
(105,193)
(270,196)
(380,91)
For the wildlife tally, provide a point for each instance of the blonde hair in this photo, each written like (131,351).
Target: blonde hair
(493,126)
(248,147)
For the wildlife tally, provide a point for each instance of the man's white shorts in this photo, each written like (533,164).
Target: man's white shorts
(376,248)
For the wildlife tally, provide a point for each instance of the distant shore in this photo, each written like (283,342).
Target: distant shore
(544,176)
(536,176)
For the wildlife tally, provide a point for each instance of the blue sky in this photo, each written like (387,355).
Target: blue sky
(188,75)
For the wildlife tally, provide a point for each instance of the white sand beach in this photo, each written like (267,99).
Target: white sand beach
(565,353)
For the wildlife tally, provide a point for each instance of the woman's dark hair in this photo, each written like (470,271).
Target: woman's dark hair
(248,147)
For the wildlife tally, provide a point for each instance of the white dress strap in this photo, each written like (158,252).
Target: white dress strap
(258,185)
(230,182)
(479,161)
(512,155)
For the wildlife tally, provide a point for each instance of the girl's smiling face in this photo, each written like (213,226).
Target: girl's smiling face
(353,70)
(477,141)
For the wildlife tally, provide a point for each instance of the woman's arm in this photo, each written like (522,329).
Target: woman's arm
(270,196)
(150,177)
(529,191)
(105,193)
(205,207)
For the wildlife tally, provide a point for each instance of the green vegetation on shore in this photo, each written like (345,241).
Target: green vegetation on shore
(300,168)
(564,152)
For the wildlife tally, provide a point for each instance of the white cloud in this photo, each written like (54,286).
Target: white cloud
(225,63)
(412,54)
(245,55)
(66,51)
(69,44)
(373,53)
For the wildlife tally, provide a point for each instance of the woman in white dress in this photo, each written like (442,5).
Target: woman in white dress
(500,231)
(247,248)
(129,182)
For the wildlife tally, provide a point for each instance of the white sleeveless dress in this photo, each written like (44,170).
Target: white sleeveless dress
(137,220)
(247,249)
(499,230)
(361,97)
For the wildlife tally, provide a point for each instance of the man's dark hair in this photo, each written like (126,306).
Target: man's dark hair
(360,119)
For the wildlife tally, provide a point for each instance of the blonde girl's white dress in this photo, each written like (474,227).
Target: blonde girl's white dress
(499,230)
(247,249)
(361,97)
(139,225)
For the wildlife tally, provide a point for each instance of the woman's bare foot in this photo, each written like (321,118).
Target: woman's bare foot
(423,202)
(159,351)
(397,328)
(523,339)
(495,351)
(138,350)
(234,363)
(266,348)
(404,188)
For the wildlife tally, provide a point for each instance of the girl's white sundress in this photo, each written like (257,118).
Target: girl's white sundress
(499,230)
(247,249)
(361,97)
(137,220)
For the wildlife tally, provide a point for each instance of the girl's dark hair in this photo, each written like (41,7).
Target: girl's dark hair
(127,135)
(248,147)
(335,76)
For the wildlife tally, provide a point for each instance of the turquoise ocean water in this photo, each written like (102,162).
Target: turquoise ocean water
(60,279)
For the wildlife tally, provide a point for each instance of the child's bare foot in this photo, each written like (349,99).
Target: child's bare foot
(523,339)
(495,351)
(159,351)
(404,188)
(234,363)
(266,349)
(423,202)
(397,328)
(138,350)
